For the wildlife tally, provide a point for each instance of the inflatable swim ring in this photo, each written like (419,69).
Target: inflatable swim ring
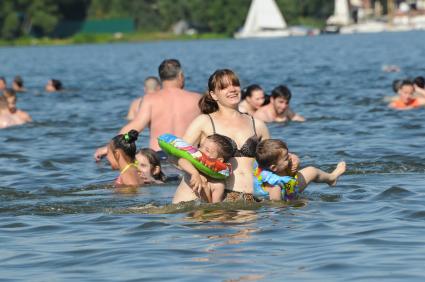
(179,148)
(287,183)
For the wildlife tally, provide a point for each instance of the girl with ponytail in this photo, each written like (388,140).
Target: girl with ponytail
(122,156)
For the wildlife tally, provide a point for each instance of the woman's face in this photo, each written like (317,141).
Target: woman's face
(257,99)
(229,96)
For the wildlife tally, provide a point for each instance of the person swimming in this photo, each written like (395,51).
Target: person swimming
(122,156)
(53,85)
(149,166)
(406,99)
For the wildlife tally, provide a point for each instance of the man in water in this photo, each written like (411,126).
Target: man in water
(278,109)
(169,110)
(151,84)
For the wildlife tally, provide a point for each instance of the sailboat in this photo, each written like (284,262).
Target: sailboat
(341,14)
(264,20)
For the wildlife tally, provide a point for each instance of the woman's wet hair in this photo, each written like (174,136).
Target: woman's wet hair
(219,80)
(169,69)
(126,142)
(281,91)
(57,84)
(250,89)
(154,162)
(419,81)
(269,151)
(226,146)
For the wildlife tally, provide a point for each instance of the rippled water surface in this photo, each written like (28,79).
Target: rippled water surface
(61,220)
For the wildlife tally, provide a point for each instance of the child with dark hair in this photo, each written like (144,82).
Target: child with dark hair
(214,147)
(274,163)
(149,166)
(122,156)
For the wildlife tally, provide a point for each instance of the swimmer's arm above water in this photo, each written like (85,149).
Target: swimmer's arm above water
(196,181)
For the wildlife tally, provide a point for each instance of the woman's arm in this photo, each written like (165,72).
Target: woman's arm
(262,130)
(196,130)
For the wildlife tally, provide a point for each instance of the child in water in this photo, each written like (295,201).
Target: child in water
(272,156)
(20,117)
(215,147)
(149,166)
(406,99)
(122,156)
(6,118)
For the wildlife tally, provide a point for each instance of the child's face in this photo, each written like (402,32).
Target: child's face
(110,156)
(280,105)
(282,164)
(209,148)
(144,167)
(406,93)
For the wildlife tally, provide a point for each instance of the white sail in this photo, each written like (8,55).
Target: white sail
(341,14)
(264,20)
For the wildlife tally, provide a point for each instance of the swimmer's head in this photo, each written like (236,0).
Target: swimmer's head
(11,98)
(272,154)
(149,165)
(54,85)
(254,95)
(18,82)
(217,146)
(406,91)
(224,88)
(151,84)
(171,69)
(280,98)
(122,146)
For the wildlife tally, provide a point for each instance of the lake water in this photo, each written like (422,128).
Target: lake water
(61,220)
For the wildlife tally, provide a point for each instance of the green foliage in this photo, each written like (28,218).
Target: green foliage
(40,17)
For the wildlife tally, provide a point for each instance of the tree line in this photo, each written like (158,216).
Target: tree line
(39,18)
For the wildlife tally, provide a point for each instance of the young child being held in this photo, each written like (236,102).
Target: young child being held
(214,147)
(149,166)
(272,156)
(121,156)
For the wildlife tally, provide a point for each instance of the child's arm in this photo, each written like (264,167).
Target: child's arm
(196,182)
(275,192)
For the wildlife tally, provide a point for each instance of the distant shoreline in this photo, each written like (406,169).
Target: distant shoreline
(107,38)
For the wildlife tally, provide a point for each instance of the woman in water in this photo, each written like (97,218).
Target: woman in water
(220,115)
(252,99)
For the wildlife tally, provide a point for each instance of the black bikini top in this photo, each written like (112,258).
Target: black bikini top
(250,145)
